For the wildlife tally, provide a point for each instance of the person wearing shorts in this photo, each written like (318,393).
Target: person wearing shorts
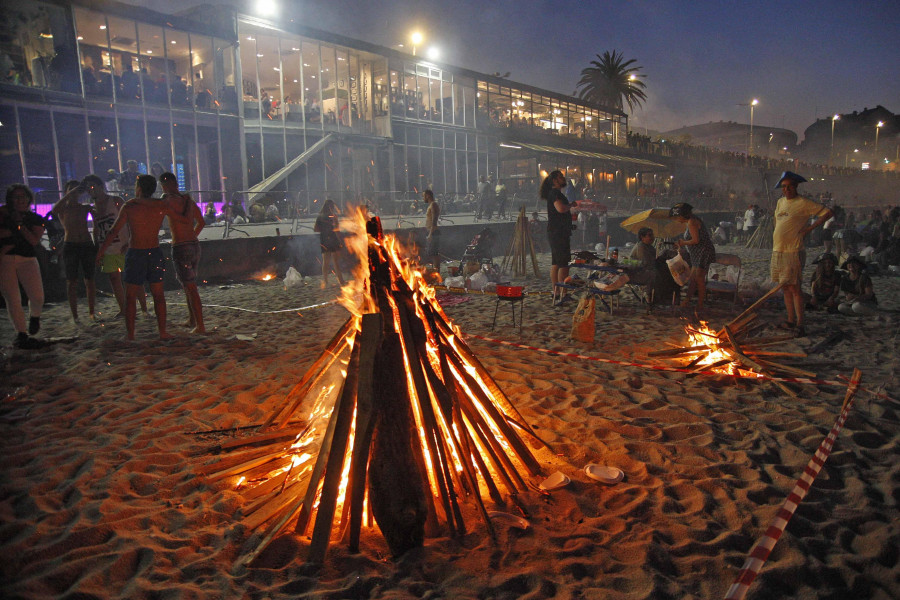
(144,261)
(186,221)
(79,250)
(186,258)
(145,265)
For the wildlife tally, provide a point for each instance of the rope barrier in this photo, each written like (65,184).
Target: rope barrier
(760,552)
(262,312)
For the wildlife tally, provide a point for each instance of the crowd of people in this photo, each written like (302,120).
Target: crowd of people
(124,244)
(795,219)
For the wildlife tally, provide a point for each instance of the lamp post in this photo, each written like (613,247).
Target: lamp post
(878,126)
(753,104)
(416,39)
(831,154)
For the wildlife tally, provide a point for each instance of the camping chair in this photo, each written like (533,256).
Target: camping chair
(719,286)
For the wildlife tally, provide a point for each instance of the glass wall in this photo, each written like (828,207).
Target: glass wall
(425,93)
(37,47)
(449,162)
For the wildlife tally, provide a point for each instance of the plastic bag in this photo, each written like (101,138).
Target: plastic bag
(478,280)
(292,278)
(457,282)
(681,271)
(583,326)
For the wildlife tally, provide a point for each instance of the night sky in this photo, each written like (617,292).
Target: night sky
(702,59)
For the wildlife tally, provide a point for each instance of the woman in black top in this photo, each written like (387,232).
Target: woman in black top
(327,227)
(559,226)
(20,231)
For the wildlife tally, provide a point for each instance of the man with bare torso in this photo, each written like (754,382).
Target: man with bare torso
(186,222)
(79,249)
(144,261)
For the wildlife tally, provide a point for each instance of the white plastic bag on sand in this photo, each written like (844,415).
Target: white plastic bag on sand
(478,280)
(457,282)
(292,278)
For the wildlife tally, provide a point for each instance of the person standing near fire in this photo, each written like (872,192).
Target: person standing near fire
(144,261)
(106,209)
(327,228)
(559,228)
(792,225)
(79,249)
(186,222)
(432,216)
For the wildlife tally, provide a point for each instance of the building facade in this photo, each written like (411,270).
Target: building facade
(236,106)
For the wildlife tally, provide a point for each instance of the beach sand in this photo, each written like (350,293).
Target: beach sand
(102,441)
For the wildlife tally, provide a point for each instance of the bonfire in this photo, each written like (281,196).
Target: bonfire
(396,423)
(734,351)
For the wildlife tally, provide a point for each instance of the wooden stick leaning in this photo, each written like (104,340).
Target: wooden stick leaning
(752,364)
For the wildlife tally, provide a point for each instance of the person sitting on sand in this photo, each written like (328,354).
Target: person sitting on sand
(859,293)
(144,261)
(186,222)
(825,283)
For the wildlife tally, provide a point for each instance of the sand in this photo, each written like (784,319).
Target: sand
(102,441)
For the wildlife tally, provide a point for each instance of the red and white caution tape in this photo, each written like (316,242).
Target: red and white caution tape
(652,367)
(760,552)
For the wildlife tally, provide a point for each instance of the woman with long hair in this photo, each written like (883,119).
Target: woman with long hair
(700,248)
(330,242)
(21,230)
(559,227)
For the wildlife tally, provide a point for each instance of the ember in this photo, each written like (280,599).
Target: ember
(405,423)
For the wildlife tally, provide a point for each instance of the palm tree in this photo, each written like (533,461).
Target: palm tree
(612,82)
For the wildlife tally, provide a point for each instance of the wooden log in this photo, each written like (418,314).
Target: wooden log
(397,491)
(712,365)
(305,505)
(266,438)
(753,365)
(786,368)
(678,351)
(414,345)
(445,331)
(752,352)
(832,339)
(855,378)
(369,340)
(495,404)
(756,304)
(298,393)
(334,468)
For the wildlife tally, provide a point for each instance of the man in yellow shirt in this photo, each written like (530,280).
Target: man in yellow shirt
(792,215)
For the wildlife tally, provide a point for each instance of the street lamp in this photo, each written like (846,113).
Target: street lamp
(877,128)
(831,154)
(753,103)
(416,39)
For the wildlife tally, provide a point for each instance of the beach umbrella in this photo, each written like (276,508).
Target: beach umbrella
(657,219)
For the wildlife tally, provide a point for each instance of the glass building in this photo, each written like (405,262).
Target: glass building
(236,106)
